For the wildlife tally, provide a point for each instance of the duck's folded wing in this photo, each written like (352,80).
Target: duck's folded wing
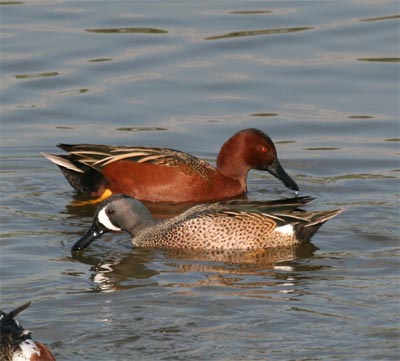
(243,205)
(99,156)
(279,212)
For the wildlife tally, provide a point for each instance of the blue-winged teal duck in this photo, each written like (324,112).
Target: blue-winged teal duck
(16,343)
(229,225)
(168,175)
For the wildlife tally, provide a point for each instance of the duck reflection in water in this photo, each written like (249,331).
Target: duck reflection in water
(113,270)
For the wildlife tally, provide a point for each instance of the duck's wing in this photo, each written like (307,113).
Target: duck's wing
(99,156)
(242,206)
(277,213)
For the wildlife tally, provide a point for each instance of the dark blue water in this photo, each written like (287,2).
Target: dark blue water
(321,78)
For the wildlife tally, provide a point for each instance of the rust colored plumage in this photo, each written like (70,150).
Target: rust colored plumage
(168,175)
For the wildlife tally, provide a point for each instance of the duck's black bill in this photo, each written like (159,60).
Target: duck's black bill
(92,234)
(277,171)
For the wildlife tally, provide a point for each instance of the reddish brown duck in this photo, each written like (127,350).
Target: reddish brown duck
(168,175)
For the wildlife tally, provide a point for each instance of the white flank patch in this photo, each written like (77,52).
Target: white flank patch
(284,268)
(105,221)
(286,230)
(27,349)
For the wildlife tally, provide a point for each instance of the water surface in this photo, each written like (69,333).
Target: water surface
(321,78)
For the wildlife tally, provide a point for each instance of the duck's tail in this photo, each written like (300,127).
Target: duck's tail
(15,312)
(83,178)
(314,220)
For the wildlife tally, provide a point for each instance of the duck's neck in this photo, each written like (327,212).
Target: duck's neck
(231,162)
(143,226)
(137,222)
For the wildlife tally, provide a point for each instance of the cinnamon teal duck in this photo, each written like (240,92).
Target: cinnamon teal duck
(168,175)
(16,343)
(229,225)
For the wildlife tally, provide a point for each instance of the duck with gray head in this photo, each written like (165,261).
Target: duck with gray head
(229,225)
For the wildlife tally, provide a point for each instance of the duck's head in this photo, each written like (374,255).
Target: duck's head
(115,214)
(252,149)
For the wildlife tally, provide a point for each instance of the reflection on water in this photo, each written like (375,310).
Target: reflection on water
(236,34)
(38,75)
(74,91)
(383,60)
(322,148)
(113,273)
(11,2)
(390,17)
(99,60)
(263,258)
(128,30)
(118,272)
(141,129)
(250,12)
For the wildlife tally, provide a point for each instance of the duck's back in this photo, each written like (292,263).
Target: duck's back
(210,227)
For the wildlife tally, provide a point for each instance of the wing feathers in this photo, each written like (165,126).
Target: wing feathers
(99,156)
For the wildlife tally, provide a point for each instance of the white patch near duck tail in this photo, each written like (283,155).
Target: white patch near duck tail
(105,221)
(286,230)
(26,350)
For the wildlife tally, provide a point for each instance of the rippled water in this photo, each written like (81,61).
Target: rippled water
(321,78)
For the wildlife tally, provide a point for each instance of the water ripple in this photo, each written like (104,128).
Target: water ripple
(383,60)
(237,34)
(250,12)
(36,75)
(390,17)
(127,30)
(11,3)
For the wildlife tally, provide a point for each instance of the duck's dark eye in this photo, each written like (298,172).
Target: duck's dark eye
(109,211)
